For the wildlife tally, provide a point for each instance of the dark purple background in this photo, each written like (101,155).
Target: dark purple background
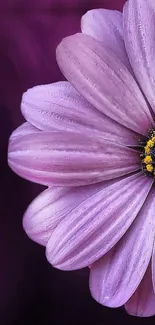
(31,291)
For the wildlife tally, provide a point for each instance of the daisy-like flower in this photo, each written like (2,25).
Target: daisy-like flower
(91,140)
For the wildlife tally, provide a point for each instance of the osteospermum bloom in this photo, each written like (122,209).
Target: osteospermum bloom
(91,140)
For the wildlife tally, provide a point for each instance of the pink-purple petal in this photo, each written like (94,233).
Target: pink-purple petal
(106,26)
(41,217)
(88,65)
(97,224)
(139,27)
(115,277)
(24,129)
(48,209)
(153,264)
(142,303)
(69,159)
(59,106)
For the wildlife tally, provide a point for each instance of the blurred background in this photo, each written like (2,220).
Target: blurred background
(31,291)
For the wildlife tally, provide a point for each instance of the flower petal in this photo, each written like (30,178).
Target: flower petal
(24,129)
(59,106)
(48,209)
(142,303)
(88,65)
(96,225)
(70,159)
(115,277)
(106,26)
(153,267)
(139,26)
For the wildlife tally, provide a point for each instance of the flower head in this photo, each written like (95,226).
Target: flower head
(91,141)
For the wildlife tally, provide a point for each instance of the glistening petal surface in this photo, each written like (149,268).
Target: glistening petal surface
(139,27)
(24,129)
(48,209)
(153,267)
(116,276)
(69,159)
(142,303)
(106,26)
(88,65)
(97,224)
(59,106)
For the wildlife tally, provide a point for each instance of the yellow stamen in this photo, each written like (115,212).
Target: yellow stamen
(147,160)
(150,144)
(149,168)
(153,139)
(147,150)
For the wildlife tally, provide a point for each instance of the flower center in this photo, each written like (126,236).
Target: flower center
(148,155)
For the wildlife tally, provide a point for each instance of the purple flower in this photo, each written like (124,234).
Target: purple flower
(81,139)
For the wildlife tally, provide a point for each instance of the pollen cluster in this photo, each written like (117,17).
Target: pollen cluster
(148,155)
